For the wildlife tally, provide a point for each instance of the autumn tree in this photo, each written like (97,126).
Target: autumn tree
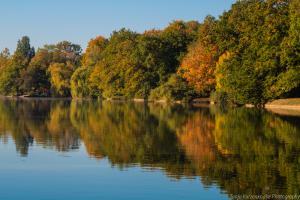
(5,58)
(198,66)
(81,86)
(94,51)
(5,67)
(37,78)
(60,74)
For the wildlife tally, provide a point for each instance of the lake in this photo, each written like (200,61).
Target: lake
(63,149)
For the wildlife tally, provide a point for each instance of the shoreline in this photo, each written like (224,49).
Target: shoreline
(292,104)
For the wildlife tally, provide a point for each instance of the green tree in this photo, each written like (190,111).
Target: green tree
(176,88)
(118,63)
(35,81)
(11,79)
(287,84)
(80,86)
(252,31)
(24,52)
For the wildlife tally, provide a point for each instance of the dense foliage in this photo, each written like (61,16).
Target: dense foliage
(250,54)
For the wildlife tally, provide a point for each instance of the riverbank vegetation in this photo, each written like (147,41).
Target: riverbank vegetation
(250,54)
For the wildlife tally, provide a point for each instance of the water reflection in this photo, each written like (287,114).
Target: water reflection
(243,151)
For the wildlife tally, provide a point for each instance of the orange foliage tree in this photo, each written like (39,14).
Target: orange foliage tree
(93,51)
(198,67)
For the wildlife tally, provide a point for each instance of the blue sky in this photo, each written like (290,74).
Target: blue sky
(51,21)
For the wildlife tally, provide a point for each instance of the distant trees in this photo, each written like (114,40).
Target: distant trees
(250,54)
(30,73)
(132,64)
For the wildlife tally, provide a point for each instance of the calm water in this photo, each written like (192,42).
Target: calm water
(92,150)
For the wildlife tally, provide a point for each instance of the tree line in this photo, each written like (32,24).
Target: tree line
(250,54)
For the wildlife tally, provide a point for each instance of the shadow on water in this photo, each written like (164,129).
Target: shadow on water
(243,151)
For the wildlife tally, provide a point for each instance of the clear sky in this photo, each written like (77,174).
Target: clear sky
(51,21)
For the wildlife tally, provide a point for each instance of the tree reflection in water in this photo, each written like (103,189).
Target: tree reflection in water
(243,151)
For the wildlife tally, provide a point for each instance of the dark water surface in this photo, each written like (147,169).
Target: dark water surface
(102,150)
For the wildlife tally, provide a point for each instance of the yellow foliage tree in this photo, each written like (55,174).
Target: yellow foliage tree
(93,51)
(219,69)
(60,78)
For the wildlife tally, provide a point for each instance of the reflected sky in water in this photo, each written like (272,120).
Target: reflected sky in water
(91,150)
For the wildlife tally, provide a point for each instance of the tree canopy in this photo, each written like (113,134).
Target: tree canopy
(250,54)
